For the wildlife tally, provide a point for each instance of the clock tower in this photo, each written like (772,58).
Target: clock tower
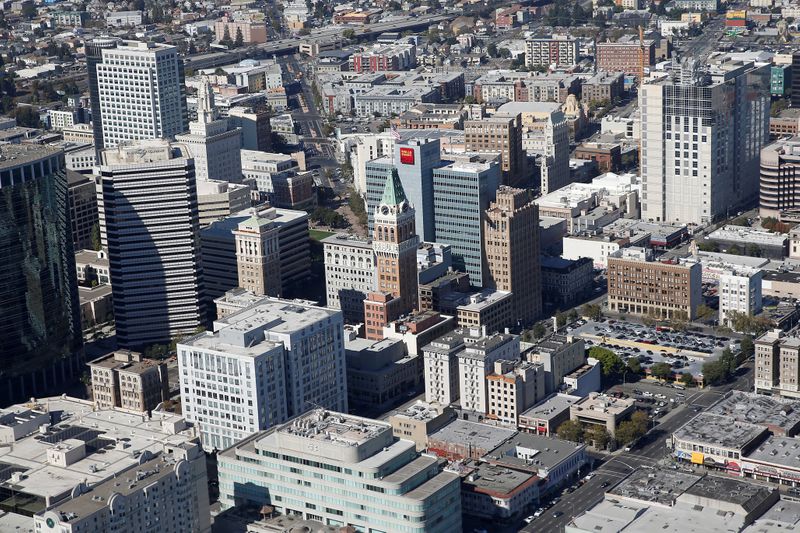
(395,243)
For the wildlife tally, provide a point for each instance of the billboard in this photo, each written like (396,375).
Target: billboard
(406,156)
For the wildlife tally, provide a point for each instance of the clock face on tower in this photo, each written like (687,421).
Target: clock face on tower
(385,210)
(405,207)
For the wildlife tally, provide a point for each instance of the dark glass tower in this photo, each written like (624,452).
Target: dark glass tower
(41,345)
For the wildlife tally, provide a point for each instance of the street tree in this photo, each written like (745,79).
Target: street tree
(571,430)
(661,370)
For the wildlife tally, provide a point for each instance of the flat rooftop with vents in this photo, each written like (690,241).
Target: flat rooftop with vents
(717,430)
(780,416)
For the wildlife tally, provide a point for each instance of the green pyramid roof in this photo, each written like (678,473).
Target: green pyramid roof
(393,193)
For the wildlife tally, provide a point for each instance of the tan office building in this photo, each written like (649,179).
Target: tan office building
(640,286)
(258,256)
(500,134)
(124,380)
(511,251)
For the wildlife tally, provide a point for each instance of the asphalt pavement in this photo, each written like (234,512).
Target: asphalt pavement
(650,450)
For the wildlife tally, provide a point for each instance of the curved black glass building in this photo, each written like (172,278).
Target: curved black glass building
(40,344)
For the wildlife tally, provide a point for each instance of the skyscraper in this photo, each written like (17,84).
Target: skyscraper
(414,161)
(40,347)
(215,146)
(140,91)
(500,134)
(280,358)
(94,55)
(463,190)
(258,255)
(395,242)
(702,131)
(511,251)
(149,225)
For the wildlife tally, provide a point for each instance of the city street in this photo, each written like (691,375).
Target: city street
(651,449)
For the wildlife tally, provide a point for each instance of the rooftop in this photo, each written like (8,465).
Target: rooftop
(604,404)
(497,480)
(781,451)
(750,235)
(114,441)
(223,228)
(655,485)
(472,434)
(747,495)
(344,239)
(335,428)
(143,152)
(723,431)
(528,451)
(771,412)
(551,407)
(12,155)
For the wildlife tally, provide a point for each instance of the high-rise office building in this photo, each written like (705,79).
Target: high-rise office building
(279,359)
(395,242)
(702,133)
(258,255)
(500,134)
(149,225)
(344,471)
(94,55)
(215,145)
(414,161)
(511,251)
(140,91)
(640,286)
(349,274)
(82,209)
(545,133)
(779,194)
(255,127)
(40,348)
(463,190)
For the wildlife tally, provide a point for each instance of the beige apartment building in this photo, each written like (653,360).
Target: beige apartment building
(513,387)
(501,134)
(777,366)
(511,251)
(124,380)
(258,256)
(640,286)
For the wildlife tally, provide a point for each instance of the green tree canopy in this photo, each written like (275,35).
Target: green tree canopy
(661,370)
(610,363)
(571,430)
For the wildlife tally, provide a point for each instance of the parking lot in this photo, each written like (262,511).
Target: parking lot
(655,398)
(684,351)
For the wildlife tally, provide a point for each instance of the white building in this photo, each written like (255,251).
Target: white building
(121,19)
(457,363)
(342,470)
(141,92)
(254,74)
(262,365)
(60,119)
(267,169)
(349,274)
(147,203)
(68,457)
(740,291)
(702,132)
(214,145)
(558,50)
(476,361)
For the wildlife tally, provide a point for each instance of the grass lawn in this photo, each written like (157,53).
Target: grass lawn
(318,235)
